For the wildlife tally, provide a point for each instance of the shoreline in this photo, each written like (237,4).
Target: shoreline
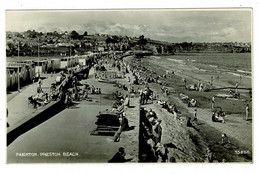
(208,133)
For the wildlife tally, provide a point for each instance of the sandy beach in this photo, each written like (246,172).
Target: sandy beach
(236,127)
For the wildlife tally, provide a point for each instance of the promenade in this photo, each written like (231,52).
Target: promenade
(66,137)
(17,102)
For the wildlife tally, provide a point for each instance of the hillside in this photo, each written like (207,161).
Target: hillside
(53,43)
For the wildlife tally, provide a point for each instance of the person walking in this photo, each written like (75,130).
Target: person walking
(7,124)
(247,112)
(201,87)
(212,102)
(195,116)
(40,82)
(127,101)
(236,87)
(198,85)
(33,79)
(185,82)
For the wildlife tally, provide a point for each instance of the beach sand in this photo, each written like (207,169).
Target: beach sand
(236,127)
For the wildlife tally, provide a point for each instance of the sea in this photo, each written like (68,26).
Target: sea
(235,63)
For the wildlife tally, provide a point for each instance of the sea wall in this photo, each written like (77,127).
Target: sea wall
(33,120)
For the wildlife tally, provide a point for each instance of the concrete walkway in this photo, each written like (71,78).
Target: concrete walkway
(18,106)
(70,131)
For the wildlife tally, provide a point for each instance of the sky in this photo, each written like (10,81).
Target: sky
(166,25)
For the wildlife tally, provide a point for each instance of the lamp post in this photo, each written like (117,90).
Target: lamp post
(69,59)
(38,58)
(18,69)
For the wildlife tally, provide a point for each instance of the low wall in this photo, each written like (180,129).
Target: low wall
(130,139)
(34,120)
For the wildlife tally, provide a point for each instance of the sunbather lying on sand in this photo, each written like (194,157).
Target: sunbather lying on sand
(184,97)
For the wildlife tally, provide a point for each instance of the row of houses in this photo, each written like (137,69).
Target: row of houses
(29,46)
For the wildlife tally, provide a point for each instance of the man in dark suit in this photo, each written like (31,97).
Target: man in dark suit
(119,157)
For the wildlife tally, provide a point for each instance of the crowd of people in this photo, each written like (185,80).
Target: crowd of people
(41,98)
(152,127)
(66,88)
(146,95)
(171,108)
(140,76)
(68,91)
(191,102)
(152,133)
(218,116)
(122,98)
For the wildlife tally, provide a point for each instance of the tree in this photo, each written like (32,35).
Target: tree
(24,49)
(85,33)
(142,41)
(159,49)
(74,35)
(32,34)
(115,37)
(110,40)
(170,48)
(10,49)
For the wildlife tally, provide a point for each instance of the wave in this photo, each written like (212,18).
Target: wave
(235,74)
(242,71)
(203,70)
(175,60)
(156,57)
(214,66)
(200,69)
